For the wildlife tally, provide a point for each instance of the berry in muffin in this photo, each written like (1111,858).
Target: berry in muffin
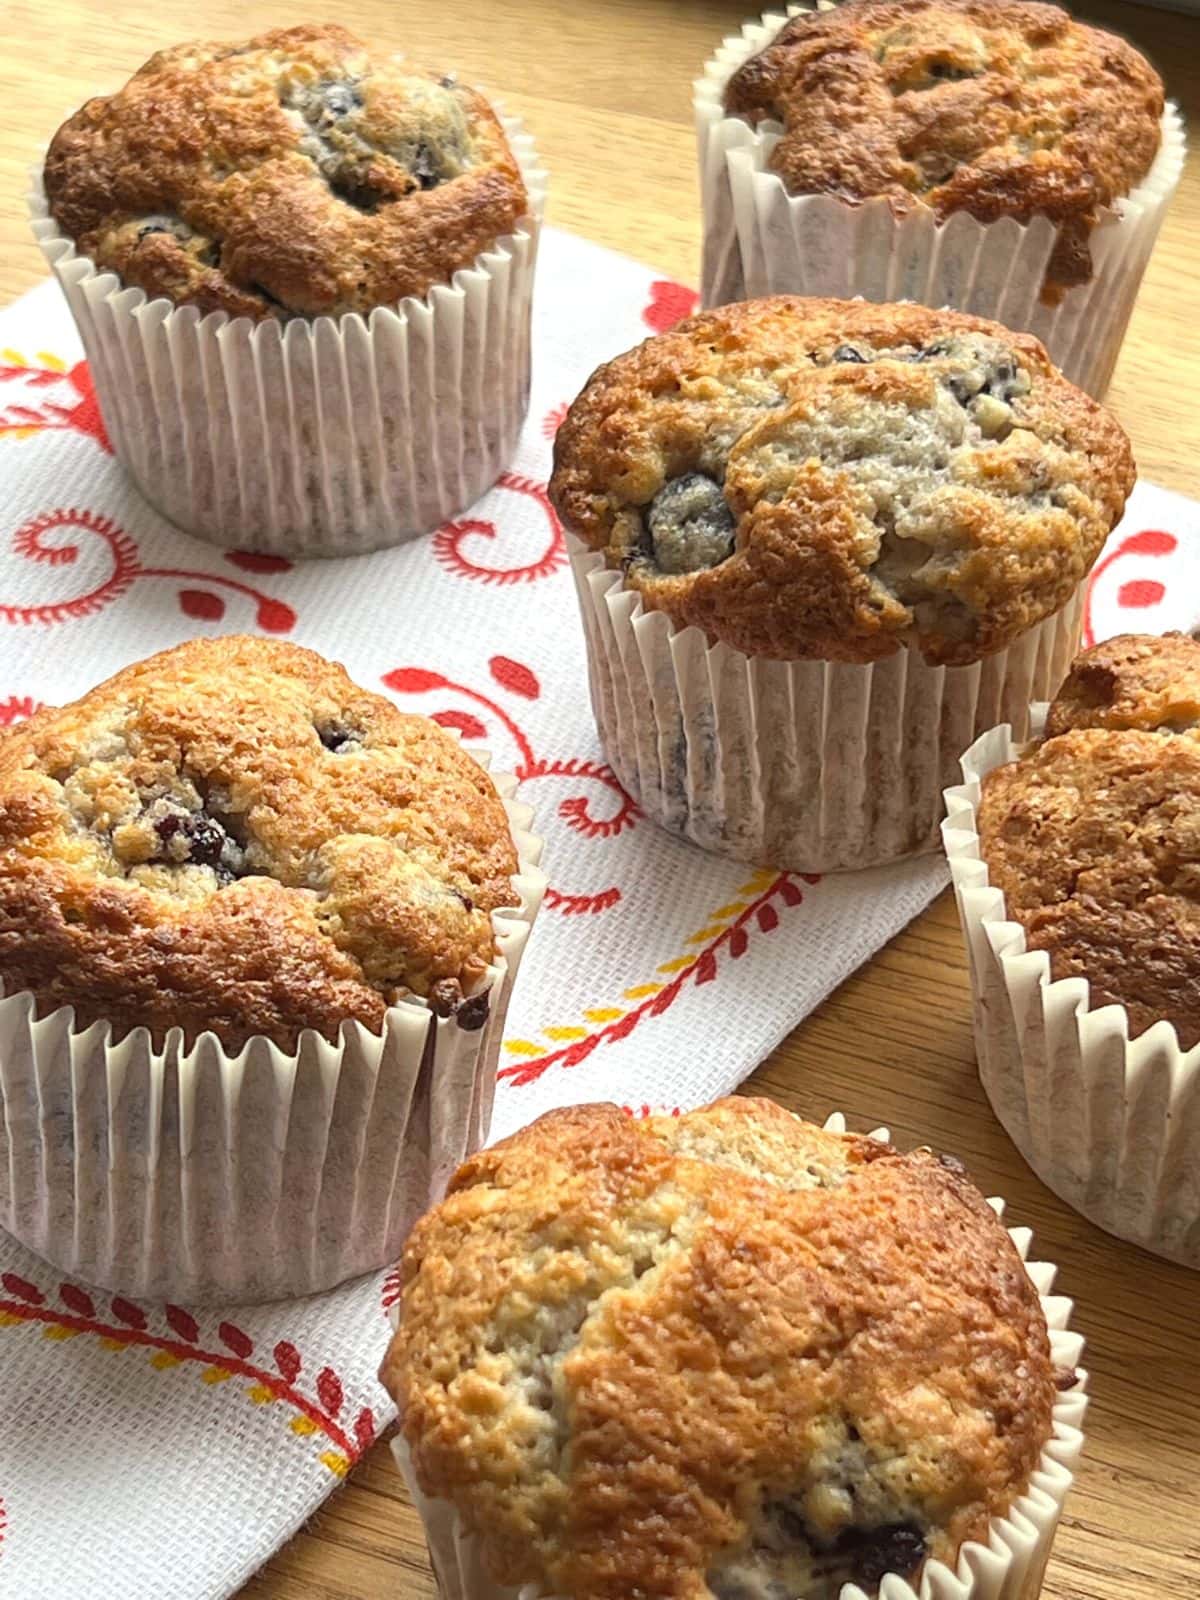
(1093,835)
(997,108)
(723,1356)
(295,174)
(835,479)
(232,836)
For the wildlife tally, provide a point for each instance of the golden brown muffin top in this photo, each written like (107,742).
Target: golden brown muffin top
(716,1356)
(837,479)
(234,836)
(994,107)
(292,175)
(1094,835)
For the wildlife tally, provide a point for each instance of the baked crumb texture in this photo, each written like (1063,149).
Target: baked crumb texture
(293,175)
(233,836)
(1093,835)
(998,108)
(725,1356)
(836,479)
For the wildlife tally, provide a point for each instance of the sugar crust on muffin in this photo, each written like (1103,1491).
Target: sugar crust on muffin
(293,174)
(694,1357)
(997,108)
(233,836)
(1093,835)
(836,479)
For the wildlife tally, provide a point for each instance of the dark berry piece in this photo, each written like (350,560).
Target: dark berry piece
(425,168)
(206,840)
(847,352)
(473,1012)
(339,737)
(952,1163)
(1065,1378)
(463,899)
(871,1553)
(690,524)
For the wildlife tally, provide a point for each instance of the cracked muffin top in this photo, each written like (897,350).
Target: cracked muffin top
(836,479)
(293,175)
(234,836)
(993,107)
(722,1356)
(1093,835)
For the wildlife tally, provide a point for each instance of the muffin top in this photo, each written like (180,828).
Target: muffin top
(233,836)
(994,107)
(716,1357)
(292,175)
(836,479)
(1093,835)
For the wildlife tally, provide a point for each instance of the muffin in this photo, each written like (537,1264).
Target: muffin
(718,1356)
(1077,863)
(258,929)
(996,156)
(820,546)
(367,229)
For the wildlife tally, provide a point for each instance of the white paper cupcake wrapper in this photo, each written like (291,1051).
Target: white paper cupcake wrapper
(809,766)
(1110,1124)
(760,240)
(325,438)
(1009,1566)
(197,1176)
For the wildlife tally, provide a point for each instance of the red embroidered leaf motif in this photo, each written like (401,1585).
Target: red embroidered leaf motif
(183,1323)
(1150,542)
(706,967)
(22,1288)
(75,1300)
(364,1428)
(581,1050)
(788,892)
(512,675)
(414,680)
(623,1028)
(241,1344)
(470,727)
(1139,593)
(737,942)
(274,617)
(664,999)
(287,1359)
(252,561)
(669,303)
(768,918)
(202,605)
(125,1311)
(329,1390)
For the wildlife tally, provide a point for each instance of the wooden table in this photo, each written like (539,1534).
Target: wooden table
(605,85)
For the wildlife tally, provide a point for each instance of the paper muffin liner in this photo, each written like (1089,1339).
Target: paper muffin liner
(198,1176)
(330,437)
(1109,1123)
(808,766)
(1010,1566)
(760,240)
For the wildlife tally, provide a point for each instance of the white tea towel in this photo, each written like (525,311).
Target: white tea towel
(151,1449)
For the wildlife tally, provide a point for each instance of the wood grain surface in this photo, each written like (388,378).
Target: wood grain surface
(605,86)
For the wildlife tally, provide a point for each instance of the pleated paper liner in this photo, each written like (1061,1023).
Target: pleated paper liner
(1010,1566)
(759,240)
(198,1176)
(1109,1123)
(329,437)
(806,766)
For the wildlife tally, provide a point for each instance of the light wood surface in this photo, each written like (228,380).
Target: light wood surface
(605,86)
